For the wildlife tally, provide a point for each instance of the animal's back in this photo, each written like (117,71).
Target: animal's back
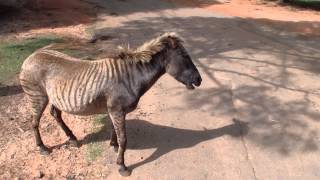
(53,75)
(47,63)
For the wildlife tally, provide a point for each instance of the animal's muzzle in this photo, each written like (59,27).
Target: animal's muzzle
(197,80)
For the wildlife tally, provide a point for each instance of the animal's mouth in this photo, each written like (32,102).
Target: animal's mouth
(192,85)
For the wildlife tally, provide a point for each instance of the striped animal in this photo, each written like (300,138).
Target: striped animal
(111,85)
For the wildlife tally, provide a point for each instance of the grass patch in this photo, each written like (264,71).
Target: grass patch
(12,54)
(99,121)
(95,149)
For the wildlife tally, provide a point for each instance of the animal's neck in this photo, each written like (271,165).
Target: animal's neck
(149,73)
(137,77)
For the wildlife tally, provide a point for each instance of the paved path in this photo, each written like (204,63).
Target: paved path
(256,114)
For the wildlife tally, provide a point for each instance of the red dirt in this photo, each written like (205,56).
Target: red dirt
(265,10)
(268,12)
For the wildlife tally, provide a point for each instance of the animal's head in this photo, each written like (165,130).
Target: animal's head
(176,60)
(178,63)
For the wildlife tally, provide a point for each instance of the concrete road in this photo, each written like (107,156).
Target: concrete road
(256,115)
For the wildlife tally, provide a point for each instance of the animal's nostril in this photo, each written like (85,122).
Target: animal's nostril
(198,79)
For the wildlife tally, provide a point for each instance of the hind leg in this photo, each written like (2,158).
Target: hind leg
(38,105)
(56,113)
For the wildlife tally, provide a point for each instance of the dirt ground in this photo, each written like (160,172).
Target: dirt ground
(256,115)
(266,12)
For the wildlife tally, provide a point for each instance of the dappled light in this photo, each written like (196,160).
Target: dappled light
(270,118)
(255,116)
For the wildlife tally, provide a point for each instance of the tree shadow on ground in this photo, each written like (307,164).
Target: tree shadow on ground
(55,14)
(124,7)
(278,124)
(145,135)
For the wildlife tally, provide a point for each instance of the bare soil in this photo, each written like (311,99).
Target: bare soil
(19,157)
(266,12)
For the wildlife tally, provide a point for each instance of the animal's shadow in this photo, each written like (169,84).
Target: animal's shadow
(145,135)
(10,90)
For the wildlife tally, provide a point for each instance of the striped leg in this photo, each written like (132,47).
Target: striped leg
(118,120)
(56,113)
(38,104)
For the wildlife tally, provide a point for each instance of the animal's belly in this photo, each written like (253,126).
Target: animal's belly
(96,107)
(89,110)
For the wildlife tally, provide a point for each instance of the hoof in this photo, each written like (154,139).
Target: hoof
(44,150)
(73,143)
(124,171)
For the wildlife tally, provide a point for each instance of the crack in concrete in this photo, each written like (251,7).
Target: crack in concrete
(240,125)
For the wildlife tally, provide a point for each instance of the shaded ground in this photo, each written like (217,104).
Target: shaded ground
(67,18)
(255,116)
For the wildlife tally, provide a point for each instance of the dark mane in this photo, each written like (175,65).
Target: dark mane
(145,52)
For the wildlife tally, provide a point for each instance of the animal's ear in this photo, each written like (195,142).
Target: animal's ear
(172,42)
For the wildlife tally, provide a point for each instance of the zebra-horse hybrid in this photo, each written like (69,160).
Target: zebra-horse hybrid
(106,86)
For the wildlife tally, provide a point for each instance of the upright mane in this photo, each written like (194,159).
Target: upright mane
(145,52)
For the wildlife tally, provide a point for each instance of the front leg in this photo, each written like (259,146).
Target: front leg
(118,121)
(113,139)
